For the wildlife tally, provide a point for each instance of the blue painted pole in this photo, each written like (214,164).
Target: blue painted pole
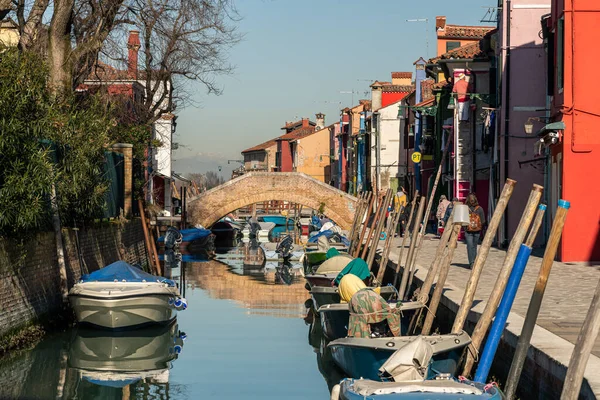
(508,298)
(502,314)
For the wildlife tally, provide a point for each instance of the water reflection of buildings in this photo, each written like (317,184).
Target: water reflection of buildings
(256,294)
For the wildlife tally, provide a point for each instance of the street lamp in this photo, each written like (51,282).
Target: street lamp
(528,126)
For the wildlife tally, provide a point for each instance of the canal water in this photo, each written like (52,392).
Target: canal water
(246,334)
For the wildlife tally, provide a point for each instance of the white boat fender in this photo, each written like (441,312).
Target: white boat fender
(335,392)
(180,304)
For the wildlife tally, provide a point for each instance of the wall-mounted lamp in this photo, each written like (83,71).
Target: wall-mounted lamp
(451,105)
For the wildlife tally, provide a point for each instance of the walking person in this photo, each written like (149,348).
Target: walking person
(400,202)
(440,213)
(473,230)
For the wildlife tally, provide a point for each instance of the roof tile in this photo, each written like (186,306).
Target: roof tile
(402,75)
(262,146)
(464,32)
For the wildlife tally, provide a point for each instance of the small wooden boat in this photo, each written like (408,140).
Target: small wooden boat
(122,296)
(443,388)
(328,270)
(336,316)
(193,238)
(363,357)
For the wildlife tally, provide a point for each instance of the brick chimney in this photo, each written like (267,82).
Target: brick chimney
(440,23)
(133,45)
(305,123)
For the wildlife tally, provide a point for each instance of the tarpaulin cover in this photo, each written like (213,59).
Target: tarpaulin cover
(348,287)
(189,235)
(357,267)
(328,234)
(121,271)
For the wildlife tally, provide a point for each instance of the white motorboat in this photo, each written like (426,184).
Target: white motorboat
(121,296)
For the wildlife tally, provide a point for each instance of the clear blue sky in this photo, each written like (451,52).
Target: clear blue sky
(296,58)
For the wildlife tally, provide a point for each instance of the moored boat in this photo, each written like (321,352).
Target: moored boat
(121,296)
(363,357)
(190,239)
(328,270)
(434,389)
(279,220)
(336,317)
(225,231)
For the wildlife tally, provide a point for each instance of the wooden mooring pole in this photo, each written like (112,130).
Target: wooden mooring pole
(373,227)
(536,300)
(406,235)
(388,244)
(482,254)
(439,286)
(358,218)
(377,234)
(154,264)
(492,303)
(582,350)
(411,251)
(361,236)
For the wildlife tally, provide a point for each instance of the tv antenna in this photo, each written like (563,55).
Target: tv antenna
(426,31)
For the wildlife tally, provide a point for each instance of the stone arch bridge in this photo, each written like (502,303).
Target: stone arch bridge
(256,187)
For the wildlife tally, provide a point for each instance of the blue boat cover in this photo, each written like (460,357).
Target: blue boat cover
(328,234)
(189,235)
(121,271)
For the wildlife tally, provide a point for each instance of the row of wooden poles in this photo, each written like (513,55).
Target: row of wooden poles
(365,240)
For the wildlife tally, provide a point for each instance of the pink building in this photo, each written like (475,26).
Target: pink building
(521,66)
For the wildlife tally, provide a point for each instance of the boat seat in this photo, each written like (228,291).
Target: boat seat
(365,387)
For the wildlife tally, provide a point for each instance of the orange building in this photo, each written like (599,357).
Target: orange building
(571,33)
(450,37)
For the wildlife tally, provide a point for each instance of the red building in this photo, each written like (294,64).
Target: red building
(571,35)
(293,131)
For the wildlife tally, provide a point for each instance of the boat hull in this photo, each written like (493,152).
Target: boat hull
(420,390)
(277,219)
(362,358)
(320,280)
(107,306)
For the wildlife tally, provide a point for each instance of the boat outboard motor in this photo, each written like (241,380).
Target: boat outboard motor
(254,227)
(172,238)
(285,247)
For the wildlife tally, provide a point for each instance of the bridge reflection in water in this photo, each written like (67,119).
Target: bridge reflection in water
(258,290)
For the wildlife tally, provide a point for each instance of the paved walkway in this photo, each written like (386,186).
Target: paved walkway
(566,301)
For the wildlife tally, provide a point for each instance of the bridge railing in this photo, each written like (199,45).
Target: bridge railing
(272,207)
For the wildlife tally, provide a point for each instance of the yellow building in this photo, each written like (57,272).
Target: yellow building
(310,154)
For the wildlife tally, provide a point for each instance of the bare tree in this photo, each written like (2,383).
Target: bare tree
(76,33)
(181,40)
